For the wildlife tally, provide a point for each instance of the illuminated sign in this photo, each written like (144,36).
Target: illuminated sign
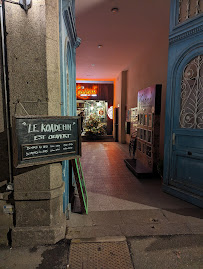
(85,93)
(110,112)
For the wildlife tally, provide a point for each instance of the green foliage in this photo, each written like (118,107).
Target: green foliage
(93,126)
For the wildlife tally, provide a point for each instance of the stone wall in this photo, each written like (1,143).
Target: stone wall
(34,80)
(6,220)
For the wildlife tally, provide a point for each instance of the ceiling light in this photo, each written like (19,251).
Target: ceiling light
(114,10)
(100,46)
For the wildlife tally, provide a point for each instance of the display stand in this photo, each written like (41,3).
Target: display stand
(80,182)
(148,133)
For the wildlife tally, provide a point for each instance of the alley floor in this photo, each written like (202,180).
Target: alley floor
(122,205)
(111,186)
(161,231)
(131,223)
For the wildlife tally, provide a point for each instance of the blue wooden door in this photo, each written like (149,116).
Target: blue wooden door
(183,155)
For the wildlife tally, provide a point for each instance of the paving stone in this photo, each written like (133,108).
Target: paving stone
(92,232)
(196,228)
(149,216)
(154,229)
(78,220)
(184,215)
(106,218)
(168,252)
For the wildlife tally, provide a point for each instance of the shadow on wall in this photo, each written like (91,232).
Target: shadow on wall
(19,171)
(4,167)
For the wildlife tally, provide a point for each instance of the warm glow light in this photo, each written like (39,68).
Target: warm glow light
(110,112)
(86,93)
(81,80)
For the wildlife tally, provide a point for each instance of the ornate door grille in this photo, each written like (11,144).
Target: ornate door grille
(189,9)
(191,114)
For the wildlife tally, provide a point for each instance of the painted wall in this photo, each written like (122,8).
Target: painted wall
(117,102)
(148,68)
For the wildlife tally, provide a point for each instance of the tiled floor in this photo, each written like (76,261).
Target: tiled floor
(111,186)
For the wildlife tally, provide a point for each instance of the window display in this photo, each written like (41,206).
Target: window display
(94,116)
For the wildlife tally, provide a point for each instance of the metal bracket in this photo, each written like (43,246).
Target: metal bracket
(25,4)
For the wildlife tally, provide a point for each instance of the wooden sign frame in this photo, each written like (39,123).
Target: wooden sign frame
(66,145)
(80,182)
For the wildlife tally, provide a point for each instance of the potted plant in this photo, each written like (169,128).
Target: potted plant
(93,127)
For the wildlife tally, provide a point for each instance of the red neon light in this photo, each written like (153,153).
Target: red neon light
(86,93)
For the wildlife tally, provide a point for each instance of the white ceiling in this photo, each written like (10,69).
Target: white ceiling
(139,23)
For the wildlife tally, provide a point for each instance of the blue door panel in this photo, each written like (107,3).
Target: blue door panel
(189,142)
(187,173)
(183,147)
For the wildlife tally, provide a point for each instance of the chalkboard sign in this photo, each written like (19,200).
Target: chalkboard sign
(80,182)
(41,139)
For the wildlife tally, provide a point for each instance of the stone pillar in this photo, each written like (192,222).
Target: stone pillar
(6,197)
(34,80)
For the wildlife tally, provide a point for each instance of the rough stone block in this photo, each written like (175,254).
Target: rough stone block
(55,175)
(52,55)
(32,179)
(54,93)
(52,25)
(39,213)
(34,236)
(3,236)
(28,86)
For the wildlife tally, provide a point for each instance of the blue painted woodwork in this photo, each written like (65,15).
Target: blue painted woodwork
(183,158)
(68,44)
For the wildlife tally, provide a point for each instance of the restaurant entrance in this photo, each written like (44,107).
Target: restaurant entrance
(94,116)
(95,106)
